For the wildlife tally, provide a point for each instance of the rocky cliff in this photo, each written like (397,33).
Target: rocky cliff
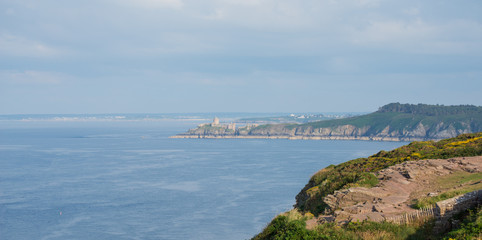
(392,122)
(399,186)
(389,132)
(422,187)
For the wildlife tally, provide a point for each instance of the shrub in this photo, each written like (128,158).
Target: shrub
(282,228)
(471,227)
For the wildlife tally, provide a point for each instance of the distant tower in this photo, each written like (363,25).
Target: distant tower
(215,121)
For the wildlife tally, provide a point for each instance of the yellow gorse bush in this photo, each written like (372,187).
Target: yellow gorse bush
(463,142)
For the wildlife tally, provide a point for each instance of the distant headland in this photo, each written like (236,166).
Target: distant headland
(392,122)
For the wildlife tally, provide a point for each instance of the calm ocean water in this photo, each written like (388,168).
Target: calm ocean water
(128,180)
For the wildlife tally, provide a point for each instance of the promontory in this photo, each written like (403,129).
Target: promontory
(392,122)
(423,190)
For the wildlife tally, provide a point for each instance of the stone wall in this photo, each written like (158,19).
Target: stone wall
(447,209)
(442,211)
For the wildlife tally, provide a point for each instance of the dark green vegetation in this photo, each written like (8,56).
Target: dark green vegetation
(471,227)
(359,172)
(282,227)
(392,122)
(407,120)
(400,116)
(430,110)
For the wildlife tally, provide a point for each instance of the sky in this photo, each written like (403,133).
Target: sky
(181,56)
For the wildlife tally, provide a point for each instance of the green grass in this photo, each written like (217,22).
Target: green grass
(355,172)
(469,181)
(430,201)
(471,227)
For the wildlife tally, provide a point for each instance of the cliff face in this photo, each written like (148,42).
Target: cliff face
(419,132)
(212,131)
(367,132)
(399,186)
(393,122)
(358,172)
(411,184)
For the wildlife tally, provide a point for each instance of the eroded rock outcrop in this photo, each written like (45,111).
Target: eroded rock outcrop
(420,132)
(398,186)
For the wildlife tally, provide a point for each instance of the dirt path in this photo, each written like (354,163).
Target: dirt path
(399,186)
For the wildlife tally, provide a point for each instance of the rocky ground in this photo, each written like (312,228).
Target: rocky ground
(399,187)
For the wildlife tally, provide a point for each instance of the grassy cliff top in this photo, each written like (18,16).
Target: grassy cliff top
(359,172)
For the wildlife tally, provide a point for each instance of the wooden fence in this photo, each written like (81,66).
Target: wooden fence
(423,214)
(441,211)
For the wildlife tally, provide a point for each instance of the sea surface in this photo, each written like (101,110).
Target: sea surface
(115,179)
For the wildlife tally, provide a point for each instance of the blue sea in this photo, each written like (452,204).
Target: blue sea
(125,179)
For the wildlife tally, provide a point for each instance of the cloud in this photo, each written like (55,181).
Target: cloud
(10,12)
(412,11)
(419,36)
(176,4)
(368,3)
(170,43)
(32,77)
(217,14)
(258,15)
(342,65)
(243,2)
(11,45)
(377,32)
(149,51)
(206,80)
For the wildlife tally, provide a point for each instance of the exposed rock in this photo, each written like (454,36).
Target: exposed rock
(419,131)
(392,122)
(392,195)
(342,132)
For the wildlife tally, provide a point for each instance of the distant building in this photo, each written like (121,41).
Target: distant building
(215,121)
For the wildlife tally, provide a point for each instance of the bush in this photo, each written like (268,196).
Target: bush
(471,228)
(282,228)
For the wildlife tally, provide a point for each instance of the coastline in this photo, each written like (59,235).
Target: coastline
(362,138)
(422,187)
(393,122)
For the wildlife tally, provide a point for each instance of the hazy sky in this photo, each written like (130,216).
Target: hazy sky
(158,56)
